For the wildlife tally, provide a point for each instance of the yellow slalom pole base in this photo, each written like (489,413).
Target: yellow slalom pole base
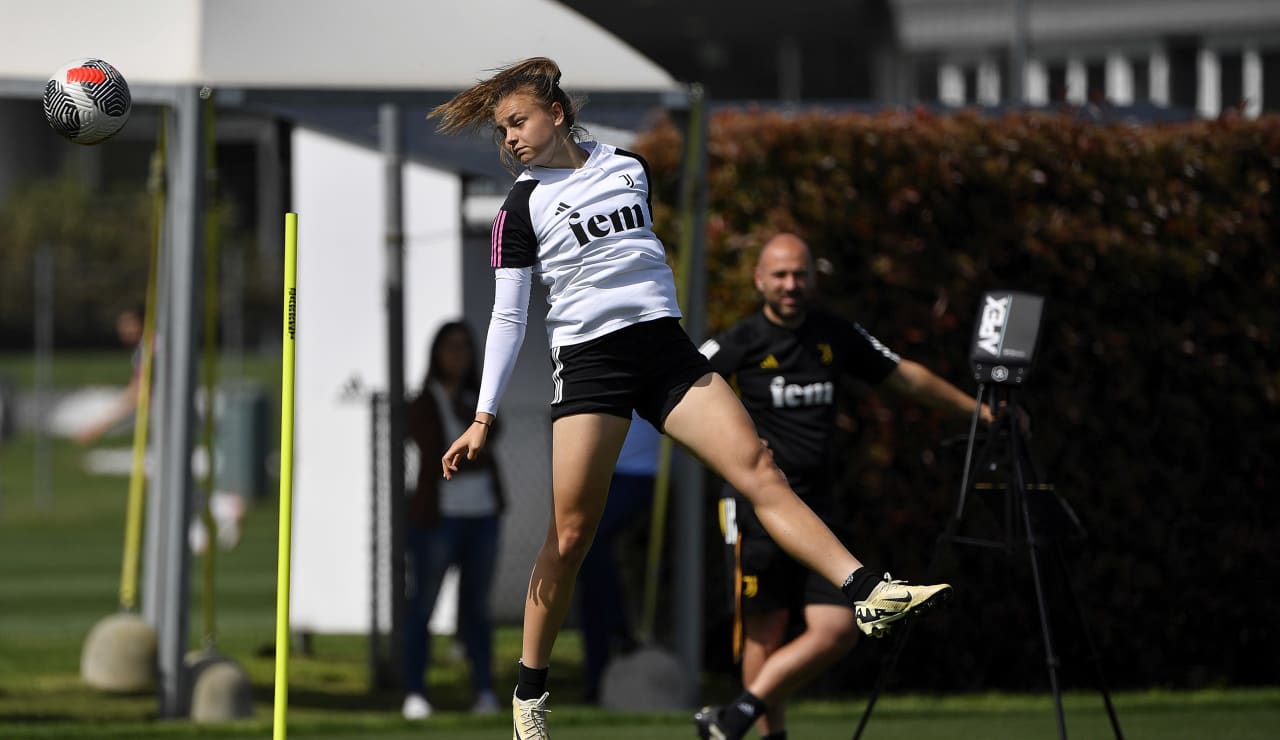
(286,475)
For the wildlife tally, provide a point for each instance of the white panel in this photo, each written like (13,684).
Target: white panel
(1159,77)
(432,262)
(341,355)
(1208,84)
(337,190)
(1077,82)
(988,82)
(1119,79)
(1036,83)
(1252,82)
(146,40)
(951,84)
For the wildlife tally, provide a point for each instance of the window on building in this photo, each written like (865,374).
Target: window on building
(1095,79)
(1057,82)
(926,79)
(1183,74)
(1141,79)
(1271,80)
(1231,78)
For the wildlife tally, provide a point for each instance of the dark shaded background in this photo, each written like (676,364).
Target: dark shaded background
(1153,401)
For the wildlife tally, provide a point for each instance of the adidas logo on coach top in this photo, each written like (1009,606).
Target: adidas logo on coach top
(601,224)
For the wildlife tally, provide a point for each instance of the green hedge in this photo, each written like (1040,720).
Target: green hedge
(1155,399)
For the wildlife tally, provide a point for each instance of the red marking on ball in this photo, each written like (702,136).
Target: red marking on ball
(86,74)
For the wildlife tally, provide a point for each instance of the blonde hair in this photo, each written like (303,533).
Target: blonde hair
(473,108)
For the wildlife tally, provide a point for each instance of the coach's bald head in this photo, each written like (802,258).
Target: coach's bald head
(784,277)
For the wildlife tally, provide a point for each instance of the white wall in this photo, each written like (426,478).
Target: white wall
(341,354)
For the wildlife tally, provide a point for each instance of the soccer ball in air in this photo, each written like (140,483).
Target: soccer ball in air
(87,101)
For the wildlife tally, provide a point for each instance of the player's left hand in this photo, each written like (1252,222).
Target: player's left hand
(468,445)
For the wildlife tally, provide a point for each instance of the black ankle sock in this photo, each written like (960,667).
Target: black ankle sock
(779,735)
(737,718)
(858,586)
(531,682)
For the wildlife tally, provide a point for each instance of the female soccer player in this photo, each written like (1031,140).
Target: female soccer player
(578,217)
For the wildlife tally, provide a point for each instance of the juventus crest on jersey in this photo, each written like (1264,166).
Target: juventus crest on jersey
(588,234)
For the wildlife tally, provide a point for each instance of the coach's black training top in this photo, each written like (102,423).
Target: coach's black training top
(788,379)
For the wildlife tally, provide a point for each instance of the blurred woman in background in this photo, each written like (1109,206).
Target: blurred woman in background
(450,522)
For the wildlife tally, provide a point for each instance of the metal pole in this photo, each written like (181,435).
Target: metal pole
(377,667)
(689,578)
(393,153)
(1018,52)
(44,287)
(178,346)
(153,564)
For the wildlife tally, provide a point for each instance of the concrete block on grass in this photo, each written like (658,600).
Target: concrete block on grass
(220,689)
(119,655)
(648,679)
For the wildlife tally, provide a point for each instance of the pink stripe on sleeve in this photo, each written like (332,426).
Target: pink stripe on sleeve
(495,254)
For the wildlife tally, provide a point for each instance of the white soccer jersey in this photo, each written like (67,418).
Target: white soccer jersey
(588,234)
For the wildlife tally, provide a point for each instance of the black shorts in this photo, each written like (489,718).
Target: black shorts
(771,579)
(647,367)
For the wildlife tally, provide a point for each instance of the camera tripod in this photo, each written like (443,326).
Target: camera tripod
(1031,514)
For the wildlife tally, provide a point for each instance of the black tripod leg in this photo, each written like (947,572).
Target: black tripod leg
(881,680)
(947,536)
(895,652)
(900,639)
(1051,658)
(1094,655)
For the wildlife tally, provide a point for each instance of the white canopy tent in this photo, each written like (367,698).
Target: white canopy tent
(316,44)
(308,52)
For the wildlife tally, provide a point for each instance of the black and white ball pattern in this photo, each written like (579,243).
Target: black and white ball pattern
(87,101)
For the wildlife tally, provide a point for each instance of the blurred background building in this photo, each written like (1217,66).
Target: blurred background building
(1197,58)
(1201,56)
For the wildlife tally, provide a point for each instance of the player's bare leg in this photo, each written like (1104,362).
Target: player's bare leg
(712,424)
(584,450)
(762,634)
(777,673)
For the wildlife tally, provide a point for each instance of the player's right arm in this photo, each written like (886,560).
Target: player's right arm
(513,250)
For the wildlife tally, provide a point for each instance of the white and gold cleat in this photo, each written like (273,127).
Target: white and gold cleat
(530,718)
(892,600)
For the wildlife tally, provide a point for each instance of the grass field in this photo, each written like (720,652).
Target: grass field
(59,571)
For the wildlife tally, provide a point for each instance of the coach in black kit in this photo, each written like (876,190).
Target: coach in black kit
(787,362)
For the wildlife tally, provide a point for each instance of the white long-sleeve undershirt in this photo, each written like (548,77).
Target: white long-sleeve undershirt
(507,324)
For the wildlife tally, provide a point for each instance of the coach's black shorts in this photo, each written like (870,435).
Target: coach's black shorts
(771,579)
(647,367)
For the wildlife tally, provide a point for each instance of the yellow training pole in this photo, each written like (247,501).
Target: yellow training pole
(286,473)
(142,413)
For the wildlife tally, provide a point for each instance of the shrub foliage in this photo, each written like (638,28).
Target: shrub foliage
(1155,397)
